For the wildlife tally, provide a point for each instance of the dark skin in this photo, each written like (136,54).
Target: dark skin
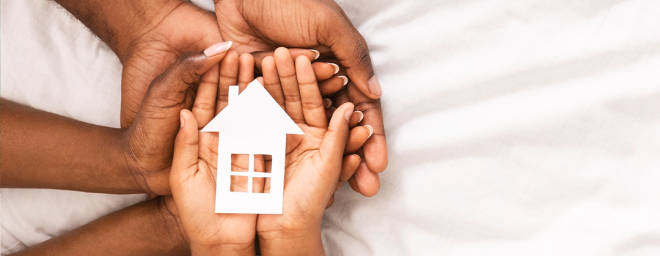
(148,36)
(44,150)
(145,228)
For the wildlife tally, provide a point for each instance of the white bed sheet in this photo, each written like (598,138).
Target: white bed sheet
(514,127)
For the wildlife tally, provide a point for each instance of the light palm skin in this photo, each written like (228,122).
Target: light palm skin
(193,180)
(263,25)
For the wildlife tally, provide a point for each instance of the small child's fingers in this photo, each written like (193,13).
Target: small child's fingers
(295,52)
(368,182)
(245,71)
(357,137)
(204,106)
(324,70)
(228,76)
(332,200)
(271,80)
(349,165)
(356,118)
(286,71)
(312,103)
(332,85)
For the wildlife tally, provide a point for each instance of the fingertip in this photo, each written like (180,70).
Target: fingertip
(367,182)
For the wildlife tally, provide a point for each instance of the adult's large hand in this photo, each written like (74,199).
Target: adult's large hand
(263,25)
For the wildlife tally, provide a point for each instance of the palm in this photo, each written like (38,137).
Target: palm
(184,28)
(308,178)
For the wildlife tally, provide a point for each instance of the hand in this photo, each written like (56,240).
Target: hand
(313,164)
(279,70)
(263,25)
(149,142)
(194,169)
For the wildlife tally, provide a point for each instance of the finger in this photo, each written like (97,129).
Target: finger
(311,54)
(186,147)
(329,111)
(353,184)
(204,106)
(352,51)
(271,81)
(335,138)
(245,71)
(349,165)
(375,149)
(368,183)
(228,77)
(357,137)
(287,74)
(332,200)
(324,70)
(356,118)
(332,85)
(313,104)
(168,93)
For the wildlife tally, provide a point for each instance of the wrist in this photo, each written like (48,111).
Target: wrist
(291,242)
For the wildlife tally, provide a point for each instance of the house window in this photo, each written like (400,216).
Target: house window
(251,173)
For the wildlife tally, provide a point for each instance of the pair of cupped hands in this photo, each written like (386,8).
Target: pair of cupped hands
(155,91)
(317,163)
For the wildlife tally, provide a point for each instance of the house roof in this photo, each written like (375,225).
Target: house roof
(254,110)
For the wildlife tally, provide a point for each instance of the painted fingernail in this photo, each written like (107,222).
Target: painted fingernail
(371,130)
(334,66)
(327,102)
(345,80)
(374,86)
(359,114)
(317,54)
(217,49)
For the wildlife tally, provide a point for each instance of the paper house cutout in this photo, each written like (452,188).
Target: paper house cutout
(253,123)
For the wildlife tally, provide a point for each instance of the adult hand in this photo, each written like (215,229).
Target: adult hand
(149,141)
(263,25)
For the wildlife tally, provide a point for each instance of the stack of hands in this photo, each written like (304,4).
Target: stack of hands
(175,80)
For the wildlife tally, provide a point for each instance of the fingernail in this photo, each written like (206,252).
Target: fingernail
(334,66)
(374,86)
(348,115)
(217,49)
(182,122)
(345,80)
(317,54)
(360,114)
(327,102)
(371,130)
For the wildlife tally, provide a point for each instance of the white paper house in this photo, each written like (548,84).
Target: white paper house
(253,123)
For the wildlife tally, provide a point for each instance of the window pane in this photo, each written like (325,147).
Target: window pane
(261,184)
(240,162)
(239,183)
(263,163)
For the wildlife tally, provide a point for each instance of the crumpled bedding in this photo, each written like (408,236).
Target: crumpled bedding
(514,127)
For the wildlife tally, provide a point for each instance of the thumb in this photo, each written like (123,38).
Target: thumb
(186,150)
(157,120)
(332,147)
(352,51)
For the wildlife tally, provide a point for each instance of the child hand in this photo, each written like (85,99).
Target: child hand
(313,160)
(194,170)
